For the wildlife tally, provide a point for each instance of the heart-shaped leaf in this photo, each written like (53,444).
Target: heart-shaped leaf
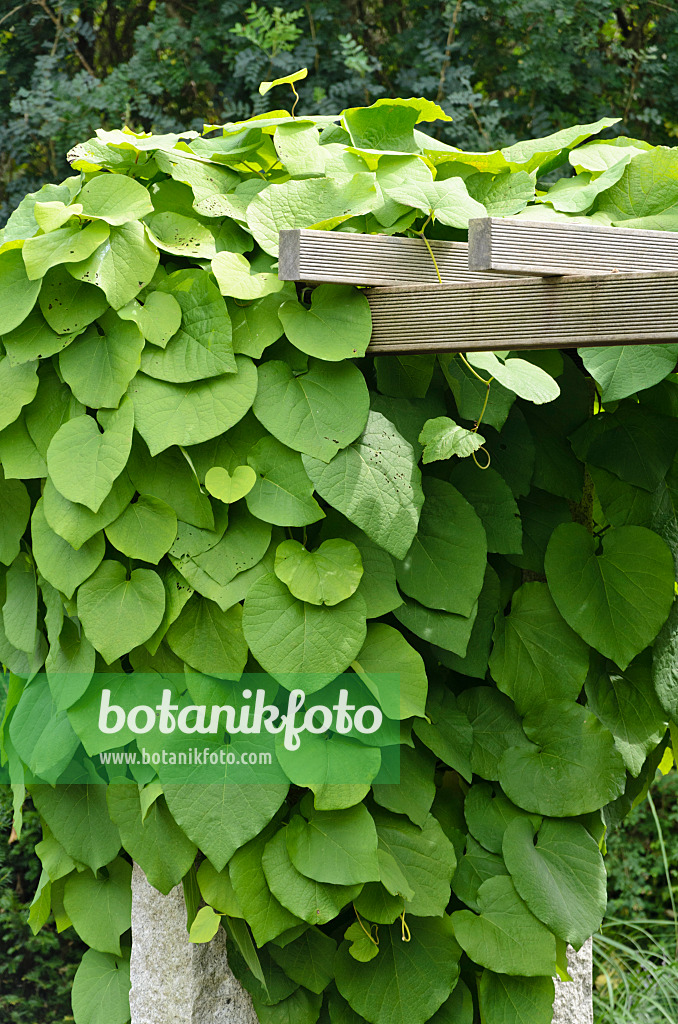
(442,438)
(337,326)
(230,487)
(236,279)
(117,613)
(326,576)
(158,317)
(618,599)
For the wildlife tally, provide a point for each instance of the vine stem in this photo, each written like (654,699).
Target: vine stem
(373,940)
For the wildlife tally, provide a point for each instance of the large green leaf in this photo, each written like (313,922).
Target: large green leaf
(527,380)
(65,245)
(99,365)
(35,339)
(474,868)
(60,564)
(69,305)
(496,728)
(507,1000)
(447,731)
(426,858)
(202,346)
(20,610)
(316,412)
(337,326)
(209,640)
(167,414)
(621,370)
(52,406)
(121,267)
(335,846)
(145,530)
(18,291)
(76,523)
(450,544)
(617,600)
(41,735)
(488,812)
(491,497)
(118,613)
(571,766)
(256,325)
(182,236)
(18,386)
(559,872)
(15,510)
(506,936)
(312,901)
(442,438)
(101,989)
(413,795)
(446,201)
(645,190)
(408,981)
(287,636)
(235,278)
(536,655)
(283,492)
(84,462)
(100,906)
(375,483)
(114,198)
(78,818)
(325,576)
(170,478)
(444,629)
(264,914)
(387,653)
(309,960)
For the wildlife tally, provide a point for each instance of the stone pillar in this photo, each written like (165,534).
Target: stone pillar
(574,999)
(175,981)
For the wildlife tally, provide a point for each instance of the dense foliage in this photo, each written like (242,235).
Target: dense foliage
(504,70)
(181,434)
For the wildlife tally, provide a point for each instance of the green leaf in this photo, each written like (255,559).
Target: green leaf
(202,346)
(302,1007)
(156,843)
(78,818)
(220,819)
(470,394)
(18,292)
(337,326)
(335,846)
(117,613)
(450,542)
(326,576)
(491,497)
(230,488)
(502,195)
(100,906)
(288,636)
(20,610)
(527,380)
(145,530)
(622,370)
(446,201)
(205,925)
(70,665)
(217,890)
(66,245)
(51,407)
(35,339)
(309,960)
(18,386)
(316,412)
(444,629)
(209,640)
(577,195)
(474,662)
(536,655)
(312,901)
(235,279)
(424,856)
(84,463)
(617,600)
(507,1000)
(59,563)
(158,317)
(375,483)
(76,523)
(99,365)
(169,477)
(205,178)
(15,510)
(386,651)
(101,989)
(570,767)
(283,493)
(256,325)
(181,236)
(408,981)
(665,665)
(305,204)
(167,414)
(442,438)
(559,872)
(42,736)
(121,267)
(645,190)
(363,947)
(475,867)
(69,305)
(414,793)
(626,703)
(496,728)
(488,812)
(447,732)
(114,198)
(337,769)
(265,87)
(266,917)
(506,936)
(632,443)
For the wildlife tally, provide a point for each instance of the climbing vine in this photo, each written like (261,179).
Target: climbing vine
(204,474)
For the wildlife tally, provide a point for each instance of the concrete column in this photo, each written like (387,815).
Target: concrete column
(574,999)
(175,981)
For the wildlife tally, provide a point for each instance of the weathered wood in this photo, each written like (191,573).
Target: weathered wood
(517,246)
(344,258)
(536,313)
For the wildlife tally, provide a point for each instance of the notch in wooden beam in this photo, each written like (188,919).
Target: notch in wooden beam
(345,258)
(517,246)
(514,314)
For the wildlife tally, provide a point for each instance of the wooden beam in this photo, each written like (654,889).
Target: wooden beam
(517,246)
(541,313)
(346,258)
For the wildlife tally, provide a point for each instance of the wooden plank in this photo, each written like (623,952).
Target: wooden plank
(519,246)
(537,313)
(344,258)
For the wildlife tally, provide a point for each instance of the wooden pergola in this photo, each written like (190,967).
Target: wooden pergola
(516,284)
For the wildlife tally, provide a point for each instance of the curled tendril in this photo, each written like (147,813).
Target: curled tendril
(406,934)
